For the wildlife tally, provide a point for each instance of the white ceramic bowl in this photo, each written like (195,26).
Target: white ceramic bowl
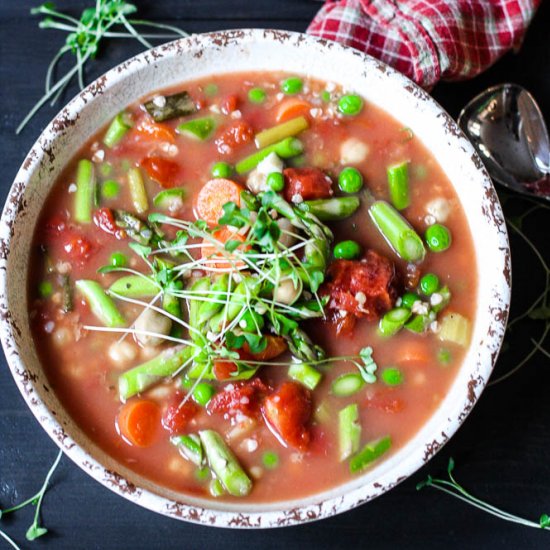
(244,50)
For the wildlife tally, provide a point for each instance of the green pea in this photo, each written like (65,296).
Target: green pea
(429,283)
(201,474)
(392,376)
(350,180)
(257,95)
(110,189)
(292,85)
(444,356)
(118,259)
(251,321)
(438,237)
(275,181)
(347,250)
(350,104)
(222,170)
(270,459)
(211,89)
(325,96)
(202,393)
(105,169)
(186,383)
(45,289)
(408,299)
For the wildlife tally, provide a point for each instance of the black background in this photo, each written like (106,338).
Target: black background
(501,451)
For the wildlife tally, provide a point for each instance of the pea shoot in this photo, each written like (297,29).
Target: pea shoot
(350,105)
(292,85)
(350,180)
(438,237)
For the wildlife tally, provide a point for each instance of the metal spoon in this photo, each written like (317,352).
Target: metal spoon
(506,127)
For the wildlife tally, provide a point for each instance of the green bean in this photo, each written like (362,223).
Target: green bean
(334,209)
(281,131)
(101,304)
(224,464)
(135,286)
(190,447)
(199,128)
(401,237)
(170,106)
(83,198)
(370,452)
(418,323)
(349,431)
(393,321)
(347,384)
(305,374)
(398,183)
(347,250)
(144,376)
(117,129)
(218,292)
(137,190)
(287,148)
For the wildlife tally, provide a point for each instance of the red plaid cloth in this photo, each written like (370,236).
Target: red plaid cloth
(428,40)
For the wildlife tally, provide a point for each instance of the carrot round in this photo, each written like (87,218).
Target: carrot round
(214,194)
(292,108)
(212,252)
(414,351)
(139,421)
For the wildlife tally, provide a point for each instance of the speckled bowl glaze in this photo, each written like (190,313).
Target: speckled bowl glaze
(243,50)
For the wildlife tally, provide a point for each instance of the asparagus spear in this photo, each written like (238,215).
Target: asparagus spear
(334,209)
(301,346)
(102,305)
(145,375)
(224,464)
(190,447)
(170,106)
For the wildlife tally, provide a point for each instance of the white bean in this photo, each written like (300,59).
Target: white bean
(353,151)
(151,321)
(122,352)
(439,208)
(287,291)
(286,239)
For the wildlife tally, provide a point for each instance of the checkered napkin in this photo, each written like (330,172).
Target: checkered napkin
(428,40)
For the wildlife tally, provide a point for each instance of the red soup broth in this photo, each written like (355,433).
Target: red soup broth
(80,364)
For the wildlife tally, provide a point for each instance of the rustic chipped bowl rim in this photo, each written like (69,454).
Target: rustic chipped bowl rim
(470,380)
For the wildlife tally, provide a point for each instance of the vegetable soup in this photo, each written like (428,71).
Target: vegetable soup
(254,286)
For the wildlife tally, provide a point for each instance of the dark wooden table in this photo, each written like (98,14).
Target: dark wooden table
(501,450)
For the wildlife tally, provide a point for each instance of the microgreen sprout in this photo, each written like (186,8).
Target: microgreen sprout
(35,530)
(452,487)
(107,19)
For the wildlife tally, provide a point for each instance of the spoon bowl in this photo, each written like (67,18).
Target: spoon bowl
(507,128)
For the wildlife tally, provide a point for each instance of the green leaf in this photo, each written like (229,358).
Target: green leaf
(544,521)
(540,313)
(450,466)
(141,250)
(35,531)
(233,341)
(422,484)
(256,343)
(232,245)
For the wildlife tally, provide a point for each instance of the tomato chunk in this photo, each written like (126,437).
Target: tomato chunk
(306,184)
(360,288)
(229,104)
(384,400)
(163,171)
(148,129)
(78,247)
(287,413)
(243,397)
(177,416)
(233,137)
(275,346)
(105,220)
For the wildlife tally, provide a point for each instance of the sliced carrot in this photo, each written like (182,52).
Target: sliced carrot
(210,251)
(275,346)
(146,128)
(292,108)
(139,422)
(214,194)
(415,351)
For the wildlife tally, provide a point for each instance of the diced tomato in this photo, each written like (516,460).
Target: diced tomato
(287,413)
(56,225)
(242,397)
(233,137)
(224,369)
(384,400)
(105,220)
(275,346)
(148,129)
(364,288)
(229,104)
(78,248)
(177,416)
(307,183)
(163,171)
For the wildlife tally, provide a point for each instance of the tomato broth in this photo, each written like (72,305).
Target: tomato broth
(285,437)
